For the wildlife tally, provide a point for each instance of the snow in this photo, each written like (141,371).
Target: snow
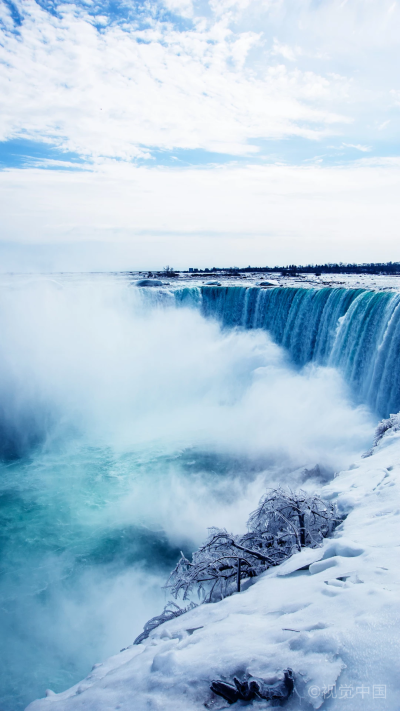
(373,282)
(331,614)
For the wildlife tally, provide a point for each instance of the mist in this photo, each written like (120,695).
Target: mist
(129,426)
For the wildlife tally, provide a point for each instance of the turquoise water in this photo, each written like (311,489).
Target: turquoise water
(128,426)
(83,557)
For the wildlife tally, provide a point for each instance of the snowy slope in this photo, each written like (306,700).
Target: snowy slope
(335,624)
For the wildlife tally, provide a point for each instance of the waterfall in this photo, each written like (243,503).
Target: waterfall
(354,330)
(129,426)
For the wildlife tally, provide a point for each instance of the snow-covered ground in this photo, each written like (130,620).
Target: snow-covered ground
(374,282)
(335,623)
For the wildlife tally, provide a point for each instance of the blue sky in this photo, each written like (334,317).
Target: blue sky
(124,94)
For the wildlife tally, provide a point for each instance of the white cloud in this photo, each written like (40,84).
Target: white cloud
(285,51)
(227,73)
(119,92)
(358,147)
(244,70)
(395,93)
(181,7)
(214,86)
(6,17)
(142,218)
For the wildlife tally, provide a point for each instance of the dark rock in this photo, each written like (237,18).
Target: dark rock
(227,691)
(280,691)
(149,282)
(277,693)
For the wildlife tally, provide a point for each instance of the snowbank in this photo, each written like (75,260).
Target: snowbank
(331,614)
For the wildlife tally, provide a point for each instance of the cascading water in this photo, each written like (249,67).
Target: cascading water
(354,330)
(129,425)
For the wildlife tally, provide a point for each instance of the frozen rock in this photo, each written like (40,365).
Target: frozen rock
(149,282)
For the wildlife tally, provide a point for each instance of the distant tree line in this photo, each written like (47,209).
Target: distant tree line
(367,268)
(317,269)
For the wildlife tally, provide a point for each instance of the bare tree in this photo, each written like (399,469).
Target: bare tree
(222,559)
(283,523)
(299,518)
(391,423)
(171,610)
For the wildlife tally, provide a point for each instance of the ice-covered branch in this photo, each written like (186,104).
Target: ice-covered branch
(284,522)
